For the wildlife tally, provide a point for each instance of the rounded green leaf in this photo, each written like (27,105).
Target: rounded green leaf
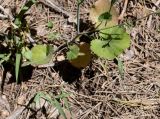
(103,14)
(41,54)
(73,52)
(112,43)
(26,52)
(99,50)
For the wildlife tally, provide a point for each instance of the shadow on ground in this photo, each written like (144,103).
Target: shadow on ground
(67,71)
(24,74)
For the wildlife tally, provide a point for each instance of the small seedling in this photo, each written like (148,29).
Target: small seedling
(50,24)
(54,101)
(73,52)
(52,36)
(19,52)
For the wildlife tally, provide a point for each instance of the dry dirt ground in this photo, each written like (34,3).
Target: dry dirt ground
(97,91)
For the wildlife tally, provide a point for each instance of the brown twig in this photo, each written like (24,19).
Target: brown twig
(58,9)
(150,18)
(124,10)
(6,15)
(94,31)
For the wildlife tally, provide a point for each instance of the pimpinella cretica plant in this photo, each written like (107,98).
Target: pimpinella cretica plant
(112,38)
(109,42)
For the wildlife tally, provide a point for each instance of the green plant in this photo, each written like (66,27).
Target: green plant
(50,24)
(108,41)
(55,102)
(18,51)
(112,38)
(73,52)
(16,37)
(112,42)
(39,54)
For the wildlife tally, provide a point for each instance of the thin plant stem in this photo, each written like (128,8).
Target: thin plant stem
(97,30)
(78,18)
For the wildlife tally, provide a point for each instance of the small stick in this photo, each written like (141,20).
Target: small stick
(6,14)
(124,10)
(3,16)
(78,18)
(55,7)
(60,10)
(150,18)
(94,31)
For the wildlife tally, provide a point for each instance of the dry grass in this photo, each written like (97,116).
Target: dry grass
(99,93)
